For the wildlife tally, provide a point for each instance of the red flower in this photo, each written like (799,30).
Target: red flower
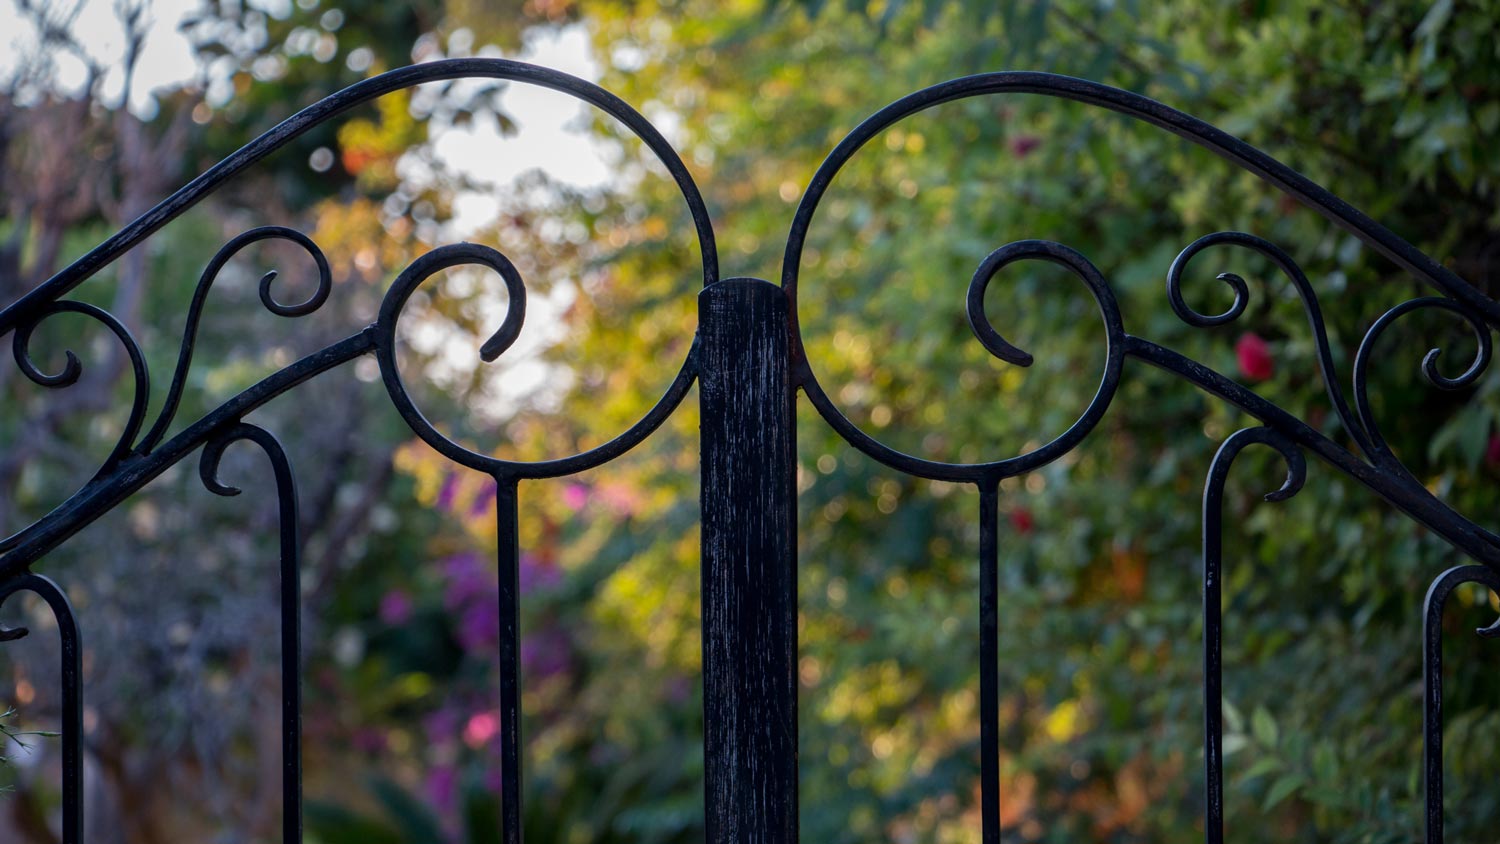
(1254,357)
(1022,145)
(1020,519)
(1492,451)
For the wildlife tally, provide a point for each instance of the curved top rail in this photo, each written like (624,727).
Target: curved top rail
(1183,125)
(1380,471)
(336,104)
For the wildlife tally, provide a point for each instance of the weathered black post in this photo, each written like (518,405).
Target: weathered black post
(749,564)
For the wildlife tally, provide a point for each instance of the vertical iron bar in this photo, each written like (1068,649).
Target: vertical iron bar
(1213,589)
(1432,704)
(290,573)
(1432,683)
(509,554)
(989,661)
(291,653)
(72,707)
(72,694)
(749,564)
(1213,668)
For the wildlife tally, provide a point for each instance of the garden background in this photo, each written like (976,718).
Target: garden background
(1393,106)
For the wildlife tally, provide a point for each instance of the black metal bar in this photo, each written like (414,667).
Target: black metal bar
(749,564)
(72,695)
(509,559)
(330,107)
(1432,683)
(291,605)
(1213,630)
(100,495)
(989,661)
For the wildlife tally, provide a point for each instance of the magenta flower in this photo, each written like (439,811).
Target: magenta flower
(369,740)
(395,607)
(537,574)
(442,786)
(493,779)
(479,626)
(483,500)
(545,653)
(447,492)
(440,725)
(575,496)
(468,579)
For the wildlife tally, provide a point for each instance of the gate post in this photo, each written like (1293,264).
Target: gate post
(748,499)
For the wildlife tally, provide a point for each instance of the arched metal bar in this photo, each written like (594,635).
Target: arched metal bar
(1383,474)
(72,693)
(1432,683)
(330,107)
(291,604)
(1145,109)
(1213,630)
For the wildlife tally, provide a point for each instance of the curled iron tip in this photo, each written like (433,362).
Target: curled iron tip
(1490,632)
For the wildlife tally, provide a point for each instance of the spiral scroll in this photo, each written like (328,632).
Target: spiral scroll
(200,296)
(21,345)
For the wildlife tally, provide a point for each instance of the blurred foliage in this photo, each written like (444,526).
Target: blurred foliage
(1393,106)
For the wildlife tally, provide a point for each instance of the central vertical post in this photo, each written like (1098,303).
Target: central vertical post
(749,564)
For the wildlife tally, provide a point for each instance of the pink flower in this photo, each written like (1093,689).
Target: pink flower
(1254,357)
(575,496)
(395,607)
(1022,145)
(621,498)
(481,728)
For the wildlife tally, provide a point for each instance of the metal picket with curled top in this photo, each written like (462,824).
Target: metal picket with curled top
(750,364)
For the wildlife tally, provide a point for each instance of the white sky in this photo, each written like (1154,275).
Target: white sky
(551,137)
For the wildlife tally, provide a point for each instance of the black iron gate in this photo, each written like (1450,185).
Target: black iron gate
(750,364)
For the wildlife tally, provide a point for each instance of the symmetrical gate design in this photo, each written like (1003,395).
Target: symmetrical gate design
(750,363)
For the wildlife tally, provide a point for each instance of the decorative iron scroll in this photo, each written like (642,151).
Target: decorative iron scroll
(137,459)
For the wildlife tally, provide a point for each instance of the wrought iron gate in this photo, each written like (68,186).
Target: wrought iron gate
(750,364)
